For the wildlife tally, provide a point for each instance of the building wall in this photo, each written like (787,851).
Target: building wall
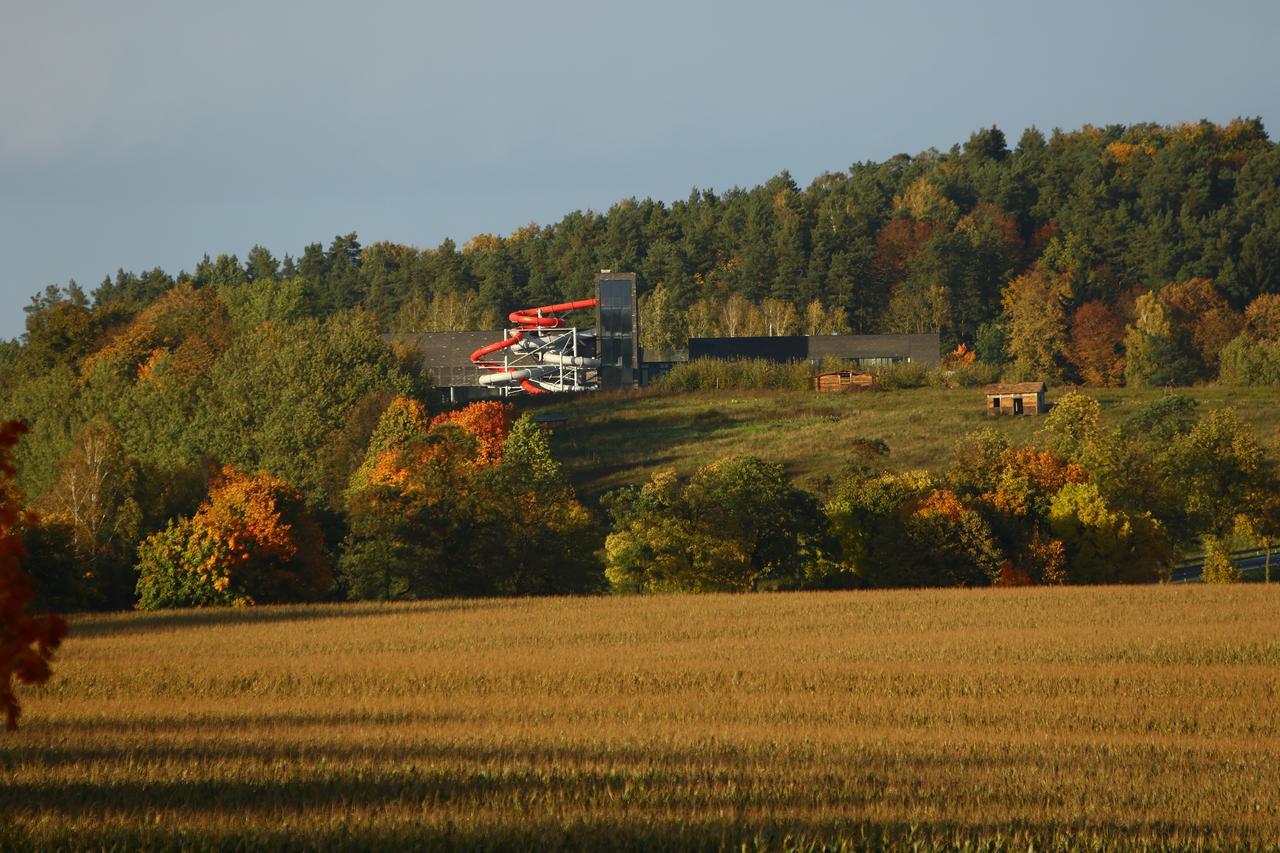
(917,349)
(444,358)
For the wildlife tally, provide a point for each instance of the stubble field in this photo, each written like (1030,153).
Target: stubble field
(1095,718)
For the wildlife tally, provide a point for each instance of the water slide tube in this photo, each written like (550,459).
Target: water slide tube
(525,320)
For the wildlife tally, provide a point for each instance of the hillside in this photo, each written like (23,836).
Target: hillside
(610,440)
(1115,717)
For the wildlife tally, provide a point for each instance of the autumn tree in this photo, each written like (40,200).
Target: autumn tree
(1262,318)
(27,640)
(1218,567)
(779,317)
(1095,348)
(1036,324)
(1200,313)
(1105,544)
(820,320)
(253,541)
(904,530)
(467,503)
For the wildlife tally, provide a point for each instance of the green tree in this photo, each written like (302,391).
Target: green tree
(274,398)
(662,325)
(1216,467)
(1155,354)
(736,525)
(95,497)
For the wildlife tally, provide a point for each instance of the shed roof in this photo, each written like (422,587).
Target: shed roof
(1016,388)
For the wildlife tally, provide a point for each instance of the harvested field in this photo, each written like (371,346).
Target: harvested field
(1068,717)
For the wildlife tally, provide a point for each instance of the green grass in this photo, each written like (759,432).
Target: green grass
(617,439)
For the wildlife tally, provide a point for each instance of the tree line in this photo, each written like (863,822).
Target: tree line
(156,403)
(1086,221)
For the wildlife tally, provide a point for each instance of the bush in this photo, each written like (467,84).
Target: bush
(1218,567)
(973,375)
(904,374)
(737,374)
(1246,361)
(185,565)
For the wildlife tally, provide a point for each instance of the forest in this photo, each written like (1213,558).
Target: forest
(243,433)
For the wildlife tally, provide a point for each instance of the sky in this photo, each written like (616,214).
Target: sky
(141,134)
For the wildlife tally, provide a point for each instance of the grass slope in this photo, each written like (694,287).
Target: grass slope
(610,440)
(1068,717)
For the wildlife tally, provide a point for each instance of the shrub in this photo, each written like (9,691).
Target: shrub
(186,565)
(1218,567)
(1246,361)
(737,374)
(904,374)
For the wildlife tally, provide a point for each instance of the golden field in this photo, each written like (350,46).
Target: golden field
(1068,718)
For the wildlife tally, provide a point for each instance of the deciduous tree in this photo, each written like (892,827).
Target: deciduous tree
(1036,324)
(27,640)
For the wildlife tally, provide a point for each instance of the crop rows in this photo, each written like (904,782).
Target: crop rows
(951,719)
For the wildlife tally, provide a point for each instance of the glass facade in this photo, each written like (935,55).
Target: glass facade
(616,329)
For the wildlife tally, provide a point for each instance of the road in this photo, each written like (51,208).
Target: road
(1252,565)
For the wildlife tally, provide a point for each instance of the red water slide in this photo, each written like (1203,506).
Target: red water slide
(527,320)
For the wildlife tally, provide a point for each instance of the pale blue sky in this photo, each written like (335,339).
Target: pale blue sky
(139,134)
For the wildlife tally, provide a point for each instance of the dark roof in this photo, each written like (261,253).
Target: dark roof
(1016,388)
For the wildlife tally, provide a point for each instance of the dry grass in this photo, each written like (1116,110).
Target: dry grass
(988,719)
(611,440)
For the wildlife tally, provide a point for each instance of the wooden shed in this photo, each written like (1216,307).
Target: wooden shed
(1016,398)
(844,380)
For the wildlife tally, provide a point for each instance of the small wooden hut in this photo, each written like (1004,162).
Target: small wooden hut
(1016,398)
(844,380)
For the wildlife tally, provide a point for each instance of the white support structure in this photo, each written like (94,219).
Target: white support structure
(547,358)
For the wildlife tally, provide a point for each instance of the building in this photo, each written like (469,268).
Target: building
(867,352)
(1016,398)
(844,380)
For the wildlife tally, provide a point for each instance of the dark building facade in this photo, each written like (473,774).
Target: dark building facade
(444,358)
(867,351)
(617,329)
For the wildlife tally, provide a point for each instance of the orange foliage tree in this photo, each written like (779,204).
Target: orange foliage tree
(471,505)
(27,641)
(1096,345)
(1026,484)
(1200,309)
(254,541)
(1262,318)
(489,422)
